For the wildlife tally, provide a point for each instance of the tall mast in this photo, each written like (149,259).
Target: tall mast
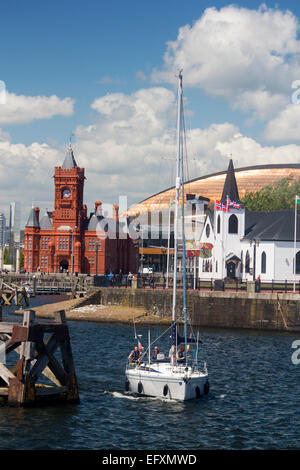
(177,185)
(183,233)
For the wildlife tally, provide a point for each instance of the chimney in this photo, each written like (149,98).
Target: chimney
(37,213)
(115,211)
(98,208)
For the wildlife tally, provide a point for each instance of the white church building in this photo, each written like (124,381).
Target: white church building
(248,244)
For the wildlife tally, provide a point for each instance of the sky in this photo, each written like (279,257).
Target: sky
(104,75)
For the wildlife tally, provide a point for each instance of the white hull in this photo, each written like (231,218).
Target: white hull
(163,380)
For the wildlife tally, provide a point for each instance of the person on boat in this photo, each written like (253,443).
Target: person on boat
(155,352)
(134,355)
(180,354)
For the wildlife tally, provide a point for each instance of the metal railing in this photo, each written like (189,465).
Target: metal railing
(157,281)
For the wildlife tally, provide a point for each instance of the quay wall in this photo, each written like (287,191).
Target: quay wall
(262,311)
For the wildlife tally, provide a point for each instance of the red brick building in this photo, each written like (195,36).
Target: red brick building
(68,239)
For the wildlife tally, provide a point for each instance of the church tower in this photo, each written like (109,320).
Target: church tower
(229,228)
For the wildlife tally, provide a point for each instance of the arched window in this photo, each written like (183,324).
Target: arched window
(298,262)
(219,224)
(263,262)
(247,262)
(207,230)
(233,224)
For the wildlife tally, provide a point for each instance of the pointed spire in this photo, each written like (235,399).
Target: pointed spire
(230,187)
(69,161)
(33,219)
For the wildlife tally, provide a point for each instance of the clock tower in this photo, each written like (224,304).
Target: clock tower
(69,182)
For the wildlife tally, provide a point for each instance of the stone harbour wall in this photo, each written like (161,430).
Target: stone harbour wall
(263,311)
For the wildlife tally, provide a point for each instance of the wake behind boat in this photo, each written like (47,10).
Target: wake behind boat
(177,376)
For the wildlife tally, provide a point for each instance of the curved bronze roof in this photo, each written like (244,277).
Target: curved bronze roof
(251,178)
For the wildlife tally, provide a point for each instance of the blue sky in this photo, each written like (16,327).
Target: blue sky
(95,57)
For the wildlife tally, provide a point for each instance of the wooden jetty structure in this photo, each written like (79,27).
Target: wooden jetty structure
(37,376)
(12,294)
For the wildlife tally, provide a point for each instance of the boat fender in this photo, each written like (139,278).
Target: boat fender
(165,390)
(140,387)
(127,385)
(206,387)
(197,390)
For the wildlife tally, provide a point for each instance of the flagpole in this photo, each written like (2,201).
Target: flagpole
(295,238)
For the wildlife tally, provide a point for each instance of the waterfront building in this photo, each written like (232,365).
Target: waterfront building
(236,243)
(250,178)
(67,239)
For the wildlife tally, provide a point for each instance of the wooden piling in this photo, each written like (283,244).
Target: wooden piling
(21,384)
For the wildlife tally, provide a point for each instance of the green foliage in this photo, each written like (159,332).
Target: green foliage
(21,259)
(279,196)
(5,256)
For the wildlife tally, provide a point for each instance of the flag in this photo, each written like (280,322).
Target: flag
(140,346)
(225,207)
(297,199)
(234,204)
(218,205)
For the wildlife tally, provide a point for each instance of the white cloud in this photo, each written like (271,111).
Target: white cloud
(130,149)
(23,109)
(261,103)
(247,152)
(285,127)
(249,57)
(25,173)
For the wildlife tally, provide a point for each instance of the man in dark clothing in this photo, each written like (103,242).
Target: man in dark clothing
(134,355)
(180,354)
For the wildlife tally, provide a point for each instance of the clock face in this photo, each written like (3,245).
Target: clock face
(66,193)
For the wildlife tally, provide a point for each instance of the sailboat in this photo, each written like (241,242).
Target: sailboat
(179,375)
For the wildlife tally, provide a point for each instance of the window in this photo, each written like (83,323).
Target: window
(263,262)
(92,243)
(298,262)
(219,224)
(44,262)
(233,224)
(206,266)
(247,262)
(207,230)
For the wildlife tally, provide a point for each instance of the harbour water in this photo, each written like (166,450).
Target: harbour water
(253,402)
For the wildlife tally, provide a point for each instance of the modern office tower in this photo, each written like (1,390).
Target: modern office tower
(2,229)
(14,229)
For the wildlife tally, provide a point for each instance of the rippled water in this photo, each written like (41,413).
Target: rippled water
(253,402)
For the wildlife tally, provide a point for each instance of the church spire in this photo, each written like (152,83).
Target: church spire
(230,189)
(69,161)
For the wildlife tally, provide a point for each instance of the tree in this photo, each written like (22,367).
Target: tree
(21,259)
(5,256)
(279,196)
